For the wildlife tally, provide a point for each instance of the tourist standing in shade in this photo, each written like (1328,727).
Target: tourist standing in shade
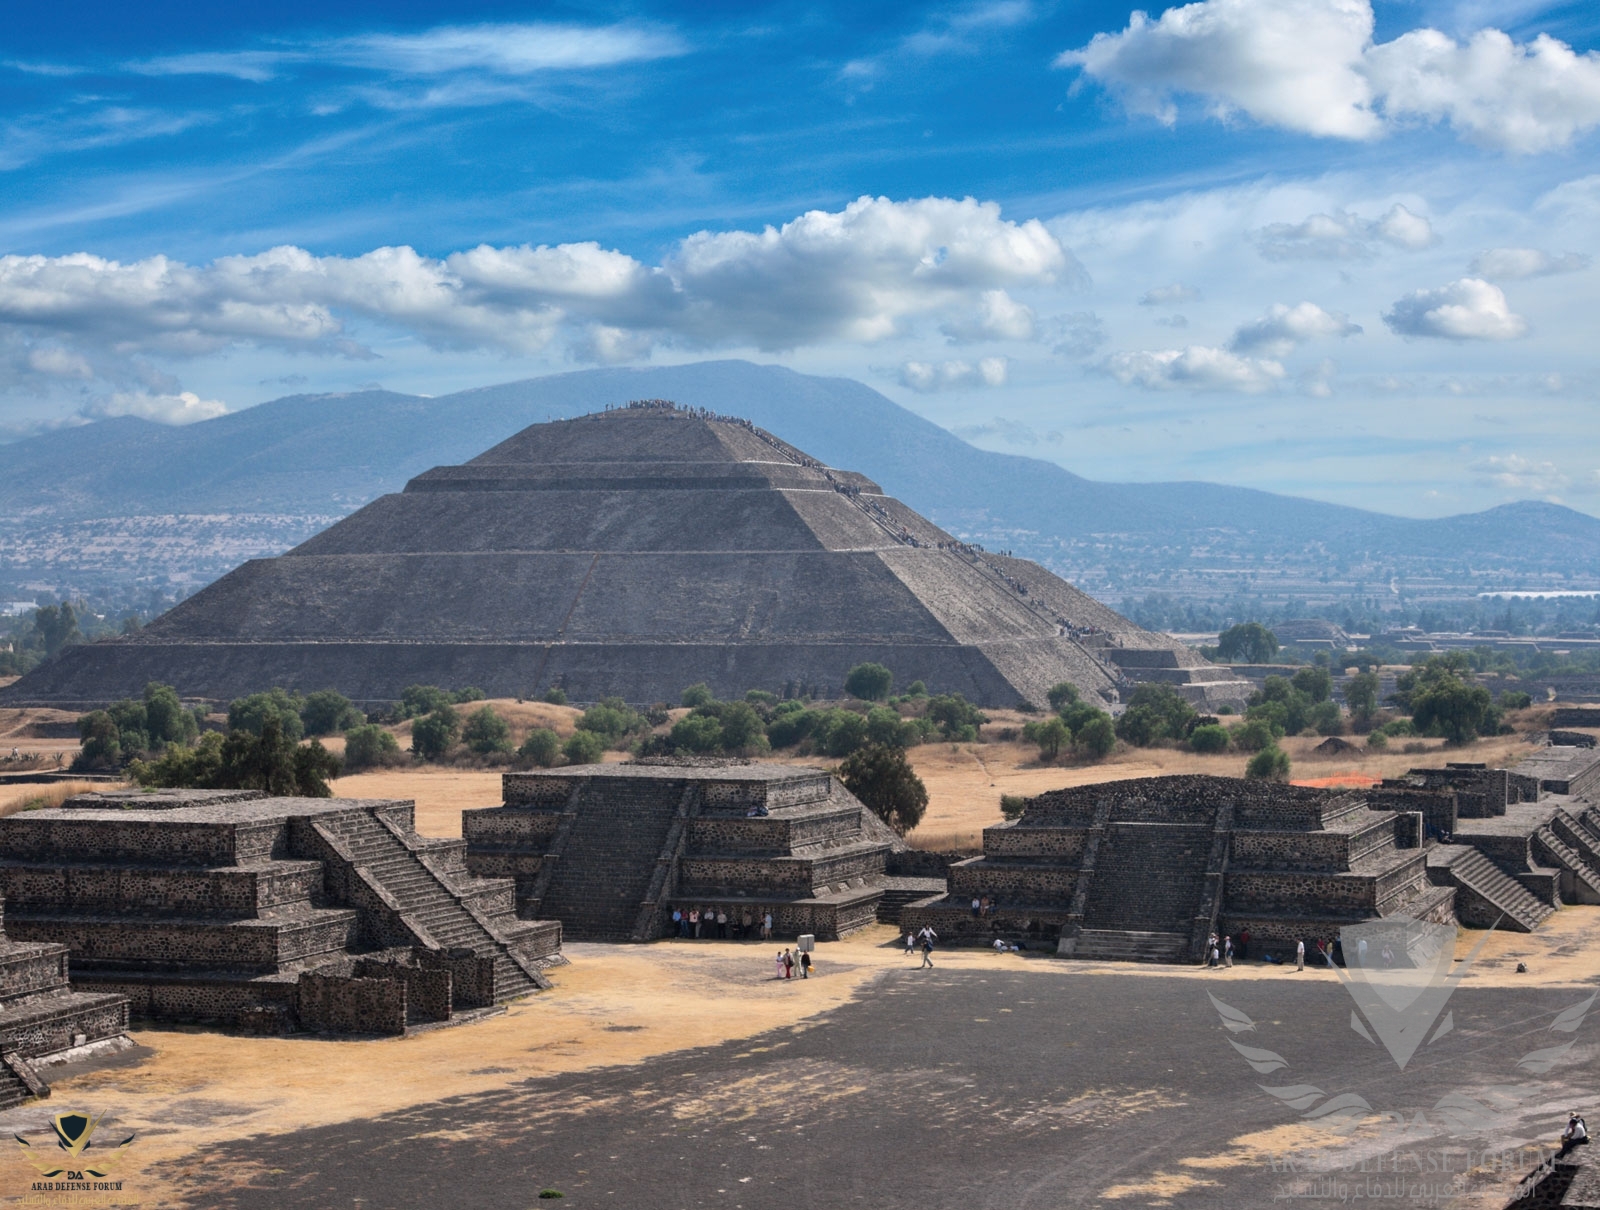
(766,926)
(694,921)
(1227,952)
(677,921)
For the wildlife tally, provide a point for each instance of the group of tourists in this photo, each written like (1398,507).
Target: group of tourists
(984,905)
(718,922)
(787,962)
(922,939)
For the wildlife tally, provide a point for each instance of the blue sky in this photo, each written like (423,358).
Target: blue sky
(1306,245)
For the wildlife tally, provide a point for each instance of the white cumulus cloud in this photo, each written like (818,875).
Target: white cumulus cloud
(1311,66)
(1512,264)
(1516,473)
(1197,367)
(1283,328)
(930,376)
(1174,295)
(1467,309)
(185,407)
(998,317)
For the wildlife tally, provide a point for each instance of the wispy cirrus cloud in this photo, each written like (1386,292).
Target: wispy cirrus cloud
(502,49)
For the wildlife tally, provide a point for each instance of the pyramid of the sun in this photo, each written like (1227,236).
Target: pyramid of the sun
(631,552)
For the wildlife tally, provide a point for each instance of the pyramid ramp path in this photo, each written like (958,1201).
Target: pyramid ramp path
(426,902)
(607,861)
(1523,911)
(1127,945)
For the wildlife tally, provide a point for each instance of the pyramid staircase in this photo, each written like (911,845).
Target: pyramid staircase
(1471,871)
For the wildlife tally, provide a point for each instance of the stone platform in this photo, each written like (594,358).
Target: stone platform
(611,850)
(270,914)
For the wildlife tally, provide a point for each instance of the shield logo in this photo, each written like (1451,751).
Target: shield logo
(73,1131)
(1399,972)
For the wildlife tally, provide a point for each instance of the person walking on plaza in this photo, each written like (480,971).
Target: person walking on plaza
(927,948)
(805,964)
(1227,952)
(1300,955)
(788,965)
(778,962)
(911,943)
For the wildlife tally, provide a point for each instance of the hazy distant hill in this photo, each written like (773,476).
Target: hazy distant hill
(311,456)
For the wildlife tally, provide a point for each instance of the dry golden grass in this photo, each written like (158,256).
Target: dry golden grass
(52,794)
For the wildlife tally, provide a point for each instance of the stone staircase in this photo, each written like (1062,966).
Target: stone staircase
(1472,871)
(1575,834)
(1124,945)
(900,892)
(423,896)
(1148,877)
(608,857)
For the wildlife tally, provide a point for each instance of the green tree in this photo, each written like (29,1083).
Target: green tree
(273,762)
(1450,707)
(1269,764)
(55,627)
(101,741)
(1361,693)
(1255,735)
(916,689)
(1325,718)
(1051,735)
(583,748)
(956,718)
(422,699)
(1377,741)
(698,694)
(742,728)
(1062,694)
(435,734)
(167,721)
(1514,699)
(1013,805)
(1247,643)
(1096,737)
(840,732)
(612,719)
(869,682)
(883,779)
(885,726)
(1155,712)
(556,695)
(697,733)
(485,732)
(328,712)
(370,746)
(1315,681)
(251,713)
(541,747)
(761,698)
(1210,738)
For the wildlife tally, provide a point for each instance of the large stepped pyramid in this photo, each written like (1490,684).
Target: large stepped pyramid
(629,553)
(270,914)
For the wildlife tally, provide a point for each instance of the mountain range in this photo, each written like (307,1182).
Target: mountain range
(321,456)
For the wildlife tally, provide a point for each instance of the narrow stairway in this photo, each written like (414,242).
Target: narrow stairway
(425,897)
(1524,911)
(606,864)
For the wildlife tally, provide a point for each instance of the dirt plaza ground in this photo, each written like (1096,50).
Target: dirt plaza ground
(683,1074)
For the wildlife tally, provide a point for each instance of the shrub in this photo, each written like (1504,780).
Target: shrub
(742,728)
(421,699)
(556,695)
(956,718)
(1325,719)
(1051,735)
(869,682)
(328,712)
(1013,805)
(916,689)
(790,725)
(583,748)
(882,778)
(369,746)
(697,695)
(1514,699)
(840,732)
(1257,734)
(612,719)
(542,747)
(760,697)
(485,732)
(1062,694)
(885,726)
(1210,738)
(469,694)
(1155,712)
(435,734)
(697,733)
(1096,737)
(1269,764)
(251,713)
(1377,741)
(101,741)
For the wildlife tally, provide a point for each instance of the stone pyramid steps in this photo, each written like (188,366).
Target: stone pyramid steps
(1124,945)
(1524,911)
(1149,877)
(603,873)
(429,900)
(1552,838)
